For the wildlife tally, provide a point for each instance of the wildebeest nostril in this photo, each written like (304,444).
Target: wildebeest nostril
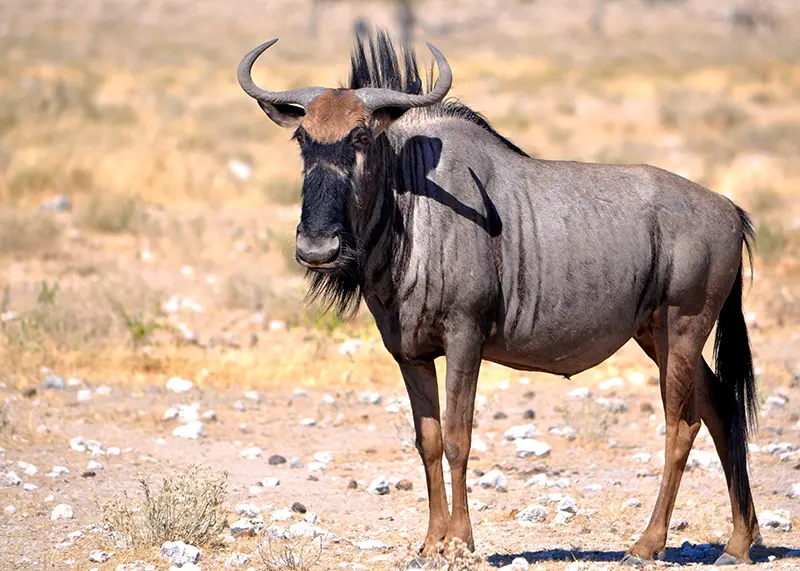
(316,250)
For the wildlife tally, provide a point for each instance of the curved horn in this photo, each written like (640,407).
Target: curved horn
(302,96)
(375,98)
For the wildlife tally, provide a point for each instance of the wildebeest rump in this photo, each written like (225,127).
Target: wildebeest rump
(463,246)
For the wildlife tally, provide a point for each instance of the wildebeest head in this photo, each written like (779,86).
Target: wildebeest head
(335,129)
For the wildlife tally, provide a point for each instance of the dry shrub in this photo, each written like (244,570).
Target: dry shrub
(590,421)
(29,234)
(454,557)
(112,213)
(188,507)
(298,554)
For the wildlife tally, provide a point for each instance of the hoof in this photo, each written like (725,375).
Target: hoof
(633,561)
(727,559)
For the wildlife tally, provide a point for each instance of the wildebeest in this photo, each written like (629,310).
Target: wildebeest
(463,246)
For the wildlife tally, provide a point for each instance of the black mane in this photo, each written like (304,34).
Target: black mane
(375,62)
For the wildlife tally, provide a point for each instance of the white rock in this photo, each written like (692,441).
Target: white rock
(530,447)
(270,482)
(170,414)
(251,453)
(299,393)
(324,457)
(28,469)
(370,397)
(642,457)
(253,396)
(562,518)
(308,422)
(305,529)
(209,415)
(240,169)
(246,526)
(564,432)
(99,556)
(78,444)
(237,559)
(284,514)
(248,510)
(379,486)
(62,511)
(369,544)
(186,567)
(592,488)
(637,379)
(794,491)
(350,346)
(11,478)
(179,553)
(776,401)
(780,448)
(580,393)
(703,460)
(776,520)
(567,504)
(10,510)
(532,514)
(311,517)
(191,430)
(578,566)
(478,445)
(494,479)
(520,431)
(84,395)
(328,399)
(538,481)
(317,467)
(189,413)
(59,470)
(631,503)
(394,409)
(661,429)
(477,505)
(179,385)
(93,465)
(518,564)
(30,487)
(614,383)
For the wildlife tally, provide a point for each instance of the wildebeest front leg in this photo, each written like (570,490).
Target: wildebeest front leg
(423,392)
(463,364)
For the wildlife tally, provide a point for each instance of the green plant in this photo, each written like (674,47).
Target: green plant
(47,294)
(139,327)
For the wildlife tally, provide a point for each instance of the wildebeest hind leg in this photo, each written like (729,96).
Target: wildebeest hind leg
(463,364)
(678,342)
(423,393)
(716,408)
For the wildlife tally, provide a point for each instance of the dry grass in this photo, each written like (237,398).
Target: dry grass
(590,421)
(188,507)
(298,554)
(29,234)
(111,212)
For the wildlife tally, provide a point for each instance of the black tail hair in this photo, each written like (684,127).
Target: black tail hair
(734,363)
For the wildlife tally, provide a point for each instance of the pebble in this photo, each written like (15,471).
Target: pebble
(580,393)
(179,385)
(564,432)
(62,511)
(369,544)
(661,429)
(305,529)
(703,460)
(631,503)
(308,422)
(563,518)
(592,488)
(251,453)
(642,457)
(93,465)
(10,510)
(615,383)
(283,514)
(567,504)
(530,447)
(294,463)
(324,457)
(84,395)
(350,346)
(776,520)
(276,459)
(170,414)
(379,486)
(494,479)
(517,564)
(209,415)
(370,397)
(248,510)
(240,406)
(237,559)
(179,553)
(189,413)
(253,396)
(299,508)
(780,448)
(612,405)
(478,445)
(246,526)
(99,556)
(532,514)
(404,485)
(679,525)
(191,430)
(11,478)
(53,382)
(28,469)
(30,487)
(328,399)
(794,491)
(521,431)
(270,482)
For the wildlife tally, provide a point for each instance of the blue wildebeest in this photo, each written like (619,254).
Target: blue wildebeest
(463,246)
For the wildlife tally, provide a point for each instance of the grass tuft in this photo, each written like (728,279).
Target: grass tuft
(112,213)
(29,234)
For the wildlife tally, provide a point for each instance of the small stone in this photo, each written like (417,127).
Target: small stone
(370,397)
(532,514)
(62,511)
(246,526)
(270,482)
(299,393)
(53,382)
(794,491)
(324,457)
(631,503)
(517,564)
(350,346)
(642,457)
(370,544)
(493,479)
(328,399)
(404,485)
(284,514)
(614,383)
(679,525)
(84,395)
(703,460)
(11,478)
(499,415)
(209,415)
(96,466)
(179,553)
(567,504)
(530,447)
(248,510)
(352,485)
(776,520)
(59,470)
(305,529)
(529,414)
(170,414)
(521,431)
(251,453)
(276,460)
(10,510)
(661,429)
(379,486)
(240,406)
(308,422)
(592,488)
(580,393)
(564,432)
(189,413)
(295,463)
(237,559)
(780,448)
(99,556)
(191,430)
(30,487)
(88,474)
(316,467)
(562,518)
(299,508)
(179,385)
(478,445)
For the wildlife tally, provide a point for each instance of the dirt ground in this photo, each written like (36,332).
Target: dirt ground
(174,257)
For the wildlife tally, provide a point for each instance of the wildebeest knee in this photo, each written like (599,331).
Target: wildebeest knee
(452,451)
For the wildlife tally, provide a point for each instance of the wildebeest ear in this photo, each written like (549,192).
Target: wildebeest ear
(285,115)
(384,117)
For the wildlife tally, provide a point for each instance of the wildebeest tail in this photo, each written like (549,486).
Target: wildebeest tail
(734,363)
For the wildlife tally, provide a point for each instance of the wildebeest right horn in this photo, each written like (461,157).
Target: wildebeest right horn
(375,98)
(302,96)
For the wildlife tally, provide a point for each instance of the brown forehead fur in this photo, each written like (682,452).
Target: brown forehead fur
(333,115)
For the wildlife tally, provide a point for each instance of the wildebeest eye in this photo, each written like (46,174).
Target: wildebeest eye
(361,140)
(299,138)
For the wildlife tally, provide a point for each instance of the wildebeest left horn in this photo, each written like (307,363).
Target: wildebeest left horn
(302,96)
(375,98)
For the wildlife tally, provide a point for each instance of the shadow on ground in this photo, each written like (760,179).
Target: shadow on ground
(701,553)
